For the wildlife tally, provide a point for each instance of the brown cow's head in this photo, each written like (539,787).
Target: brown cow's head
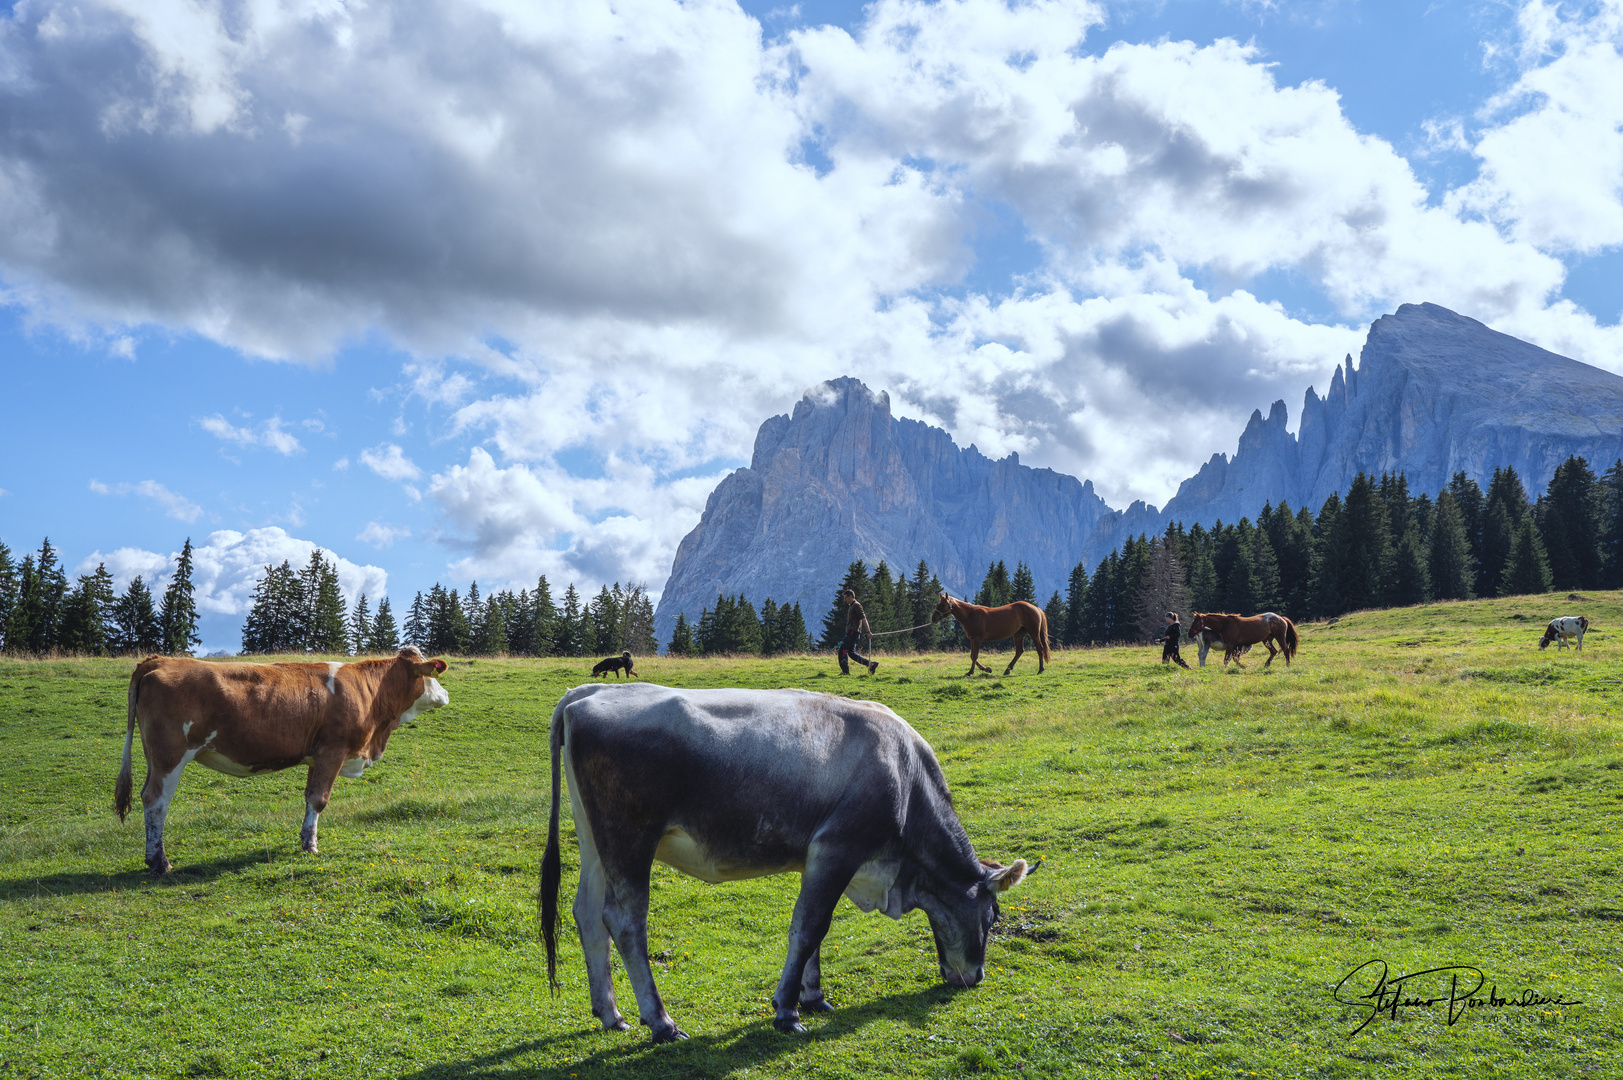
(425,693)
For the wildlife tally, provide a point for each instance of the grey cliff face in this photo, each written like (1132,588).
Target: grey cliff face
(1434,393)
(841,479)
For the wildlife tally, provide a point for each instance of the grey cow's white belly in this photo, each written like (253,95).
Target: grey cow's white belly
(679,850)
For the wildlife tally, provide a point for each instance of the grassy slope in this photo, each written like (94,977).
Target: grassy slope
(1423,787)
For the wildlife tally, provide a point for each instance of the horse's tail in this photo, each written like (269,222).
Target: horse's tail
(1291,640)
(1042,636)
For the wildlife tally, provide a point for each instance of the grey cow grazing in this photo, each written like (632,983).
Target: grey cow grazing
(732,784)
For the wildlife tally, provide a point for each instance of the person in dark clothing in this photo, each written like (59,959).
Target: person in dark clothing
(1169,651)
(856,622)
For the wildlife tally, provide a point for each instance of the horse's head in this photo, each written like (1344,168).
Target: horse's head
(943,609)
(1197,623)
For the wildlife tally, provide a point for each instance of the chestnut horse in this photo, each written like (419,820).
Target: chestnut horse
(1240,630)
(980,624)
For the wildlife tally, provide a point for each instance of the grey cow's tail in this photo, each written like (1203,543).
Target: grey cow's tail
(551,869)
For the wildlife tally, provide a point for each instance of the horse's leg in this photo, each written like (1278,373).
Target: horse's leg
(974,657)
(1019,647)
(1234,652)
(1272,652)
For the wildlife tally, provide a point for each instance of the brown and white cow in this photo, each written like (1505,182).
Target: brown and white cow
(732,784)
(244,719)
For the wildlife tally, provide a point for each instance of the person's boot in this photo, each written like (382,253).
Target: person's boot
(873,666)
(845,665)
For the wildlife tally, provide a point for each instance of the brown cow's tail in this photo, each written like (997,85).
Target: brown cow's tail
(122,788)
(551,869)
(1291,639)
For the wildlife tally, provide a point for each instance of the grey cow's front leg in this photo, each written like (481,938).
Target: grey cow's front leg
(821,885)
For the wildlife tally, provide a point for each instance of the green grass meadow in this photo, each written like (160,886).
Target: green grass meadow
(1220,848)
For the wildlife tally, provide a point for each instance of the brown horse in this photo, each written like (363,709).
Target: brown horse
(1237,631)
(980,624)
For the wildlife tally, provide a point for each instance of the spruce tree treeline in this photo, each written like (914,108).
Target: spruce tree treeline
(1375,545)
(40,613)
(529,622)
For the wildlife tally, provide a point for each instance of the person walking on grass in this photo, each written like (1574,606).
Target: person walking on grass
(1174,631)
(855,623)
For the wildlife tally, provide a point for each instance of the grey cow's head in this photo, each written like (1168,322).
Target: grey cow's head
(962,920)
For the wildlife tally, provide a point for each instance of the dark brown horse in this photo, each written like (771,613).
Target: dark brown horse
(980,624)
(1237,631)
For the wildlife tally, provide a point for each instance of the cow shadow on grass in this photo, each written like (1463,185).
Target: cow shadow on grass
(31,886)
(720,1054)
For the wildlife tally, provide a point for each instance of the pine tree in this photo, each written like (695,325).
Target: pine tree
(567,634)
(178,612)
(924,590)
(1163,588)
(1099,605)
(9,593)
(1330,541)
(42,600)
(881,607)
(792,629)
(492,639)
(637,621)
(84,614)
(1611,526)
(135,622)
(1448,562)
(473,617)
(384,639)
(18,634)
(1527,569)
(545,617)
(326,629)
(1505,506)
(275,616)
(1076,595)
(1410,581)
(604,614)
(415,632)
(360,627)
(1054,612)
(1366,565)
(1205,590)
(769,628)
(1468,498)
(996,588)
(1024,586)
(681,643)
(1570,525)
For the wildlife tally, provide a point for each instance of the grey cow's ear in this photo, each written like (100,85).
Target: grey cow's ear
(1005,878)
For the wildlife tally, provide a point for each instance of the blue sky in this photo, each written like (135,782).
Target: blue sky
(478,290)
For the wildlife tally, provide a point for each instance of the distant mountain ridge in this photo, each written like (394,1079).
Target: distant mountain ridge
(841,479)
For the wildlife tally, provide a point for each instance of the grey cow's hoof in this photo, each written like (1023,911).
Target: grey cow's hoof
(816,1005)
(670,1034)
(159,865)
(789,1024)
(618,1025)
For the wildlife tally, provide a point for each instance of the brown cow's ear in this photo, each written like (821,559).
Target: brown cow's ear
(432,667)
(1007,877)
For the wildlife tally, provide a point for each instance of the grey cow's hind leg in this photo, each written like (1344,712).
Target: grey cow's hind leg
(811,985)
(592,923)
(625,910)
